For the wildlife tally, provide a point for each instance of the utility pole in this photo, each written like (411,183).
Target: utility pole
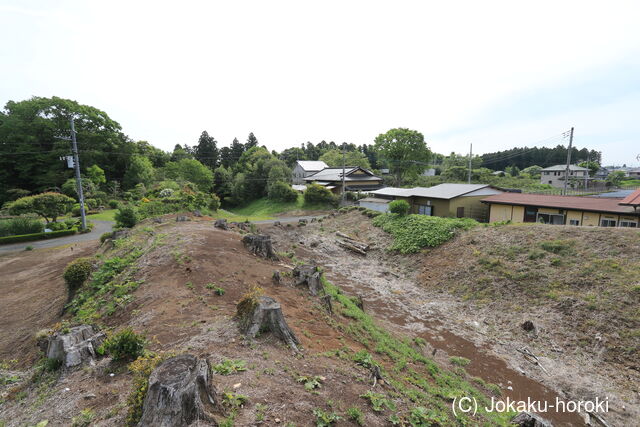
(586,174)
(470,153)
(76,162)
(566,172)
(343,170)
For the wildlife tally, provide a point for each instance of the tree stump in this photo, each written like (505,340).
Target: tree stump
(528,419)
(264,314)
(221,223)
(259,244)
(309,276)
(179,393)
(326,302)
(197,213)
(182,218)
(76,346)
(276,277)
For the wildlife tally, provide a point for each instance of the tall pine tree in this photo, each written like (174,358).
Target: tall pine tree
(206,151)
(252,141)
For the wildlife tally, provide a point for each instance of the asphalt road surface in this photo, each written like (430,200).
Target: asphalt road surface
(99,227)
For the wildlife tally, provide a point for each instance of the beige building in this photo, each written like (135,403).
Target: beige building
(565,210)
(446,200)
(555,176)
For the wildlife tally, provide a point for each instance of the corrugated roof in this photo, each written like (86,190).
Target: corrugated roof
(335,174)
(441,191)
(632,199)
(374,200)
(595,204)
(312,165)
(564,168)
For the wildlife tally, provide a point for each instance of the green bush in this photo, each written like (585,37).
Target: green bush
(400,207)
(20,225)
(57,226)
(105,236)
(413,232)
(77,272)
(36,236)
(214,204)
(282,192)
(76,211)
(113,204)
(124,345)
(127,216)
(317,194)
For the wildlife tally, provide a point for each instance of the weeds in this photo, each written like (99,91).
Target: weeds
(356,415)
(228,367)
(310,383)
(325,419)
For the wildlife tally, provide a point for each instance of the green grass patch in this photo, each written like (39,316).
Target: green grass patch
(266,208)
(106,215)
(414,232)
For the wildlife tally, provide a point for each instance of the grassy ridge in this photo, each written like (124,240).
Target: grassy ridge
(266,208)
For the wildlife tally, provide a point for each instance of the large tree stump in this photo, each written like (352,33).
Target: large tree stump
(309,276)
(529,419)
(221,223)
(76,346)
(264,314)
(259,244)
(179,393)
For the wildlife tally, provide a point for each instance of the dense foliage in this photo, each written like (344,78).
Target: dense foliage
(317,194)
(543,156)
(127,216)
(77,272)
(414,232)
(48,205)
(124,345)
(405,150)
(400,207)
(20,225)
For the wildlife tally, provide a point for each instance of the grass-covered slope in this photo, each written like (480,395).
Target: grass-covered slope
(266,208)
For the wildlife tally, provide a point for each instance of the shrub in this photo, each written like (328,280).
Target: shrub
(317,194)
(113,204)
(124,345)
(282,192)
(57,226)
(214,204)
(127,216)
(105,236)
(36,236)
(400,207)
(20,225)
(76,211)
(76,273)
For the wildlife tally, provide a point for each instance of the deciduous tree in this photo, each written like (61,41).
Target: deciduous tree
(405,150)
(48,205)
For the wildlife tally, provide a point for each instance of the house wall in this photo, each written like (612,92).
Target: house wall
(381,207)
(440,206)
(556,178)
(500,212)
(473,207)
(298,174)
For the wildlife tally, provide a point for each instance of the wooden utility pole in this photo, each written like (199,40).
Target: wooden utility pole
(566,172)
(76,163)
(343,169)
(470,154)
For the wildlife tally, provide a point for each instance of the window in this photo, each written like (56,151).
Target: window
(550,219)
(628,223)
(574,222)
(530,214)
(608,223)
(425,210)
(460,212)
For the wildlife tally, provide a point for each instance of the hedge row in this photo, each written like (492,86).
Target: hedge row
(36,236)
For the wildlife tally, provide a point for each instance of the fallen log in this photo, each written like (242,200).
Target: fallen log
(364,246)
(351,247)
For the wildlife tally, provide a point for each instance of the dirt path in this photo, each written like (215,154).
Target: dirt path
(33,293)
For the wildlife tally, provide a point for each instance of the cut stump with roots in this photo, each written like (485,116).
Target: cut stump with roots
(260,244)
(75,347)
(309,276)
(179,394)
(264,314)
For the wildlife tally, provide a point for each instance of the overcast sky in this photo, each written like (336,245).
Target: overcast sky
(495,74)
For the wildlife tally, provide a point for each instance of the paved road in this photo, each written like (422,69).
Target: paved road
(99,227)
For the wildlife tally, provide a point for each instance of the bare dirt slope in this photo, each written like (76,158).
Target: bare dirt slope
(33,295)
(469,297)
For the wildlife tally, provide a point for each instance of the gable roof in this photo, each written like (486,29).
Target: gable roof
(564,168)
(441,191)
(593,204)
(312,165)
(632,199)
(335,174)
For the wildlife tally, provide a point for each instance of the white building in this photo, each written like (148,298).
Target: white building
(555,176)
(305,168)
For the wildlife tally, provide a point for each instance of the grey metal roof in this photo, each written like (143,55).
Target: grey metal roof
(564,167)
(375,200)
(442,191)
(312,165)
(335,174)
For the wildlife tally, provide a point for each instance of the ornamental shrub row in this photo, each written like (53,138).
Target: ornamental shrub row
(36,236)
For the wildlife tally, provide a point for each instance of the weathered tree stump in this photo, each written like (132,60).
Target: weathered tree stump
(309,276)
(197,213)
(264,314)
(276,277)
(76,346)
(276,223)
(528,419)
(302,222)
(326,302)
(259,244)
(221,223)
(359,302)
(182,218)
(179,393)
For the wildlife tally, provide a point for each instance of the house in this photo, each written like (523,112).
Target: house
(565,210)
(555,175)
(355,179)
(634,173)
(446,200)
(304,168)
